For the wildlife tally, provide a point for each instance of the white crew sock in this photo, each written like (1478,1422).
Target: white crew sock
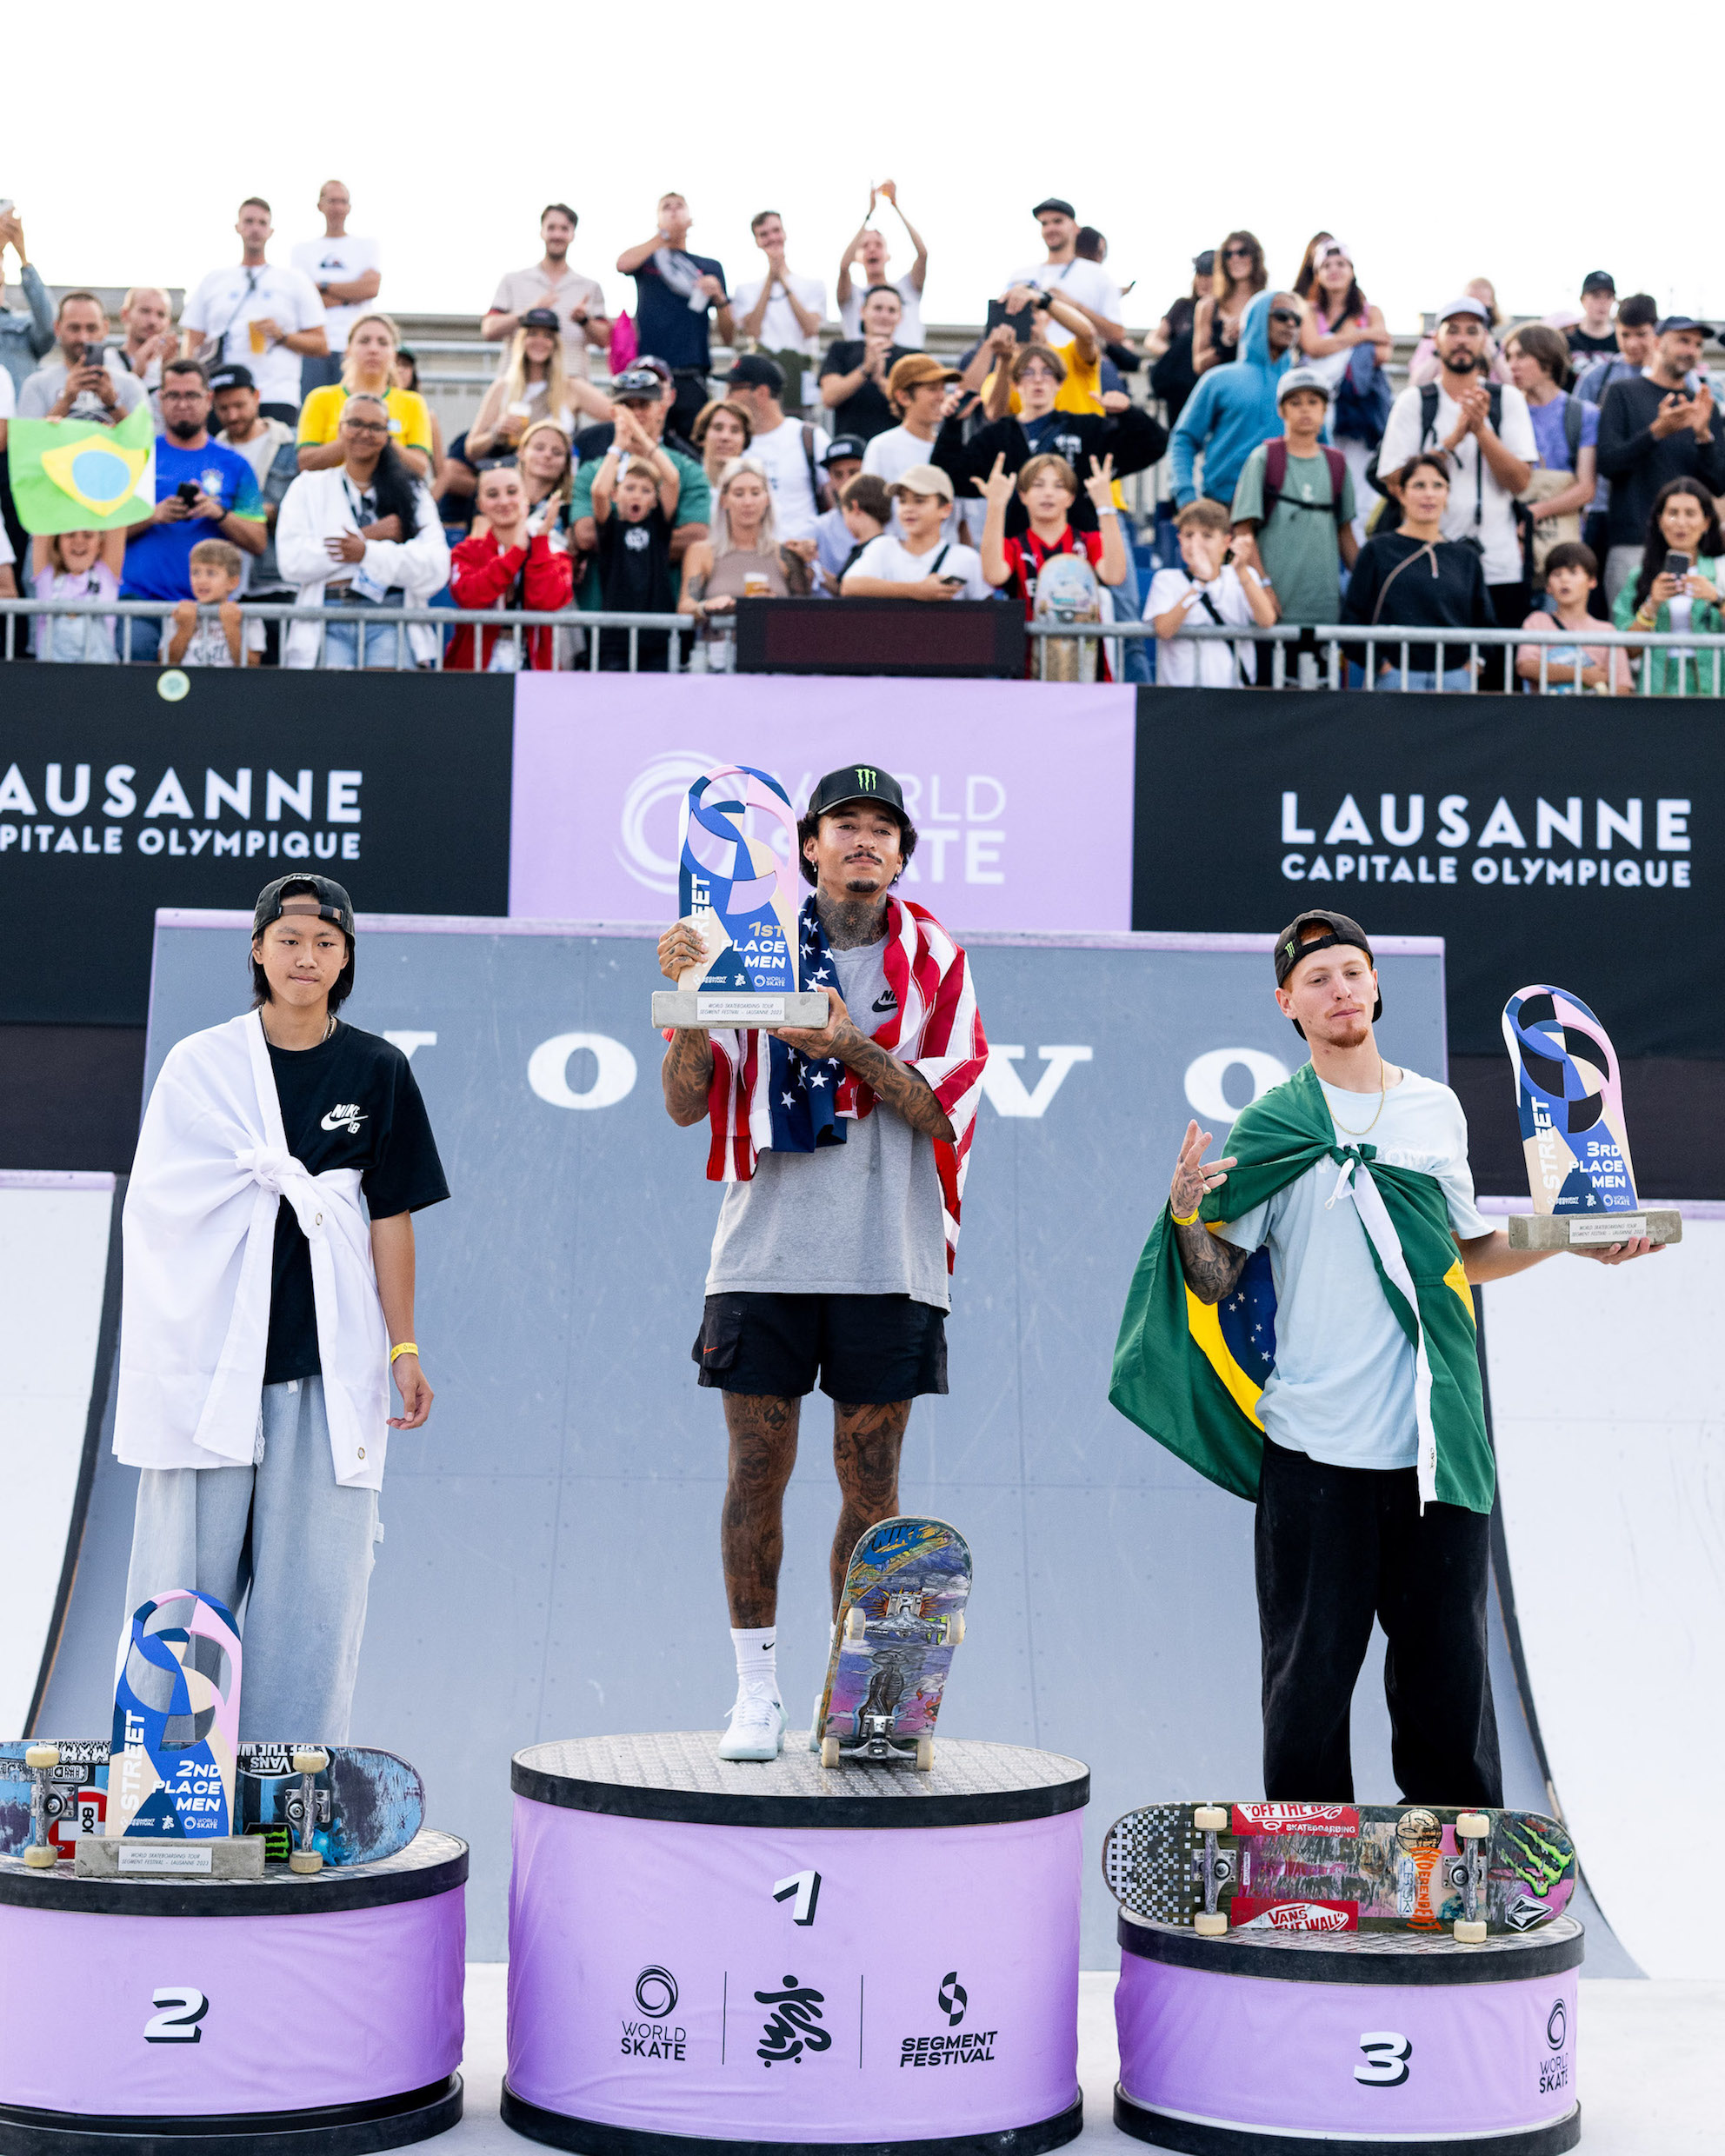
(757,1660)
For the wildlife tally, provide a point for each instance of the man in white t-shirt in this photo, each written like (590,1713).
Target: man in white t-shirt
(791,449)
(1488,436)
(920,390)
(257,316)
(1342,1534)
(868,253)
(783,312)
(348,272)
(917,561)
(1085,285)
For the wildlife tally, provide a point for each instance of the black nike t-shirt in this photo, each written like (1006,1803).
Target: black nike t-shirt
(350,1102)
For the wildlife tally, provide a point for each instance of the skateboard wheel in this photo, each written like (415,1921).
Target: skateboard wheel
(311,1762)
(1469,1932)
(856,1623)
(954,1629)
(925,1754)
(1210,1925)
(1472,1826)
(830,1751)
(41,1856)
(305,1862)
(1211,1818)
(42,1755)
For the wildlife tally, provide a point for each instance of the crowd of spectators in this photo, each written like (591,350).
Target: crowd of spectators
(1537,473)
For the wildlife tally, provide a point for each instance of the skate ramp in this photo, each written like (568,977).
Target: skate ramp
(550,1566)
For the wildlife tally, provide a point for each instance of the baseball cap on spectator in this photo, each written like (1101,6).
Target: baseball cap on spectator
(1053,203)
(658,366)
(1205,265)
(1599,281)
(1466,305)
(1683,322)
(755,371)
(540,318)
(1301,378)
(922,479)
(637,382)
(843,446)
(915,369)
(235,377)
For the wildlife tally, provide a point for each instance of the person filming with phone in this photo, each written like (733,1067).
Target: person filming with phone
(81,379)
(1679,585)
(916,562)
(1654,428)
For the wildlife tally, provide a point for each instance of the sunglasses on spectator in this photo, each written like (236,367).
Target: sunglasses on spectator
(1284,314)
(1236,254)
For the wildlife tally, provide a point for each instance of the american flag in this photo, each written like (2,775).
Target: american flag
(786,1102)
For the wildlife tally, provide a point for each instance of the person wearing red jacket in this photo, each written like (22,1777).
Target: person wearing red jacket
(501,566)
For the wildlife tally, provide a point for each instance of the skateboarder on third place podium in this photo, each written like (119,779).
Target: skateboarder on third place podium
(266,1303)
(1374,1490)
(844,1152)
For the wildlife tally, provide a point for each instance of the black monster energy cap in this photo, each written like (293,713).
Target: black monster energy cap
(308,895)
(1293,944)
(857,782)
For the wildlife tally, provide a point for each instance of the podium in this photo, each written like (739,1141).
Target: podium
(1363,2041)
(703,1953)
(181,2017)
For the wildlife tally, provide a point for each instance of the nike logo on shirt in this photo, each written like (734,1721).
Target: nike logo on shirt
(346,1112)
(887,1001)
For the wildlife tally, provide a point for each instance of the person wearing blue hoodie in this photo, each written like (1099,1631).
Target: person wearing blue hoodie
(1233,408)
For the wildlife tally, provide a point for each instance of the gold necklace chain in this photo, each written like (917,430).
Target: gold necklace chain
(1382,1082)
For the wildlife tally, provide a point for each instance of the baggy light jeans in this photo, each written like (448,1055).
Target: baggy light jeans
(291,1541)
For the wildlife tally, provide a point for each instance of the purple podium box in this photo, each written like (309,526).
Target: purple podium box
(1365,2042)
(704,1954)
(188,2017)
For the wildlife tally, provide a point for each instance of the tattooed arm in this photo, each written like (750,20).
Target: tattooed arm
(907,1091)
(1212,1266)
(687,1071)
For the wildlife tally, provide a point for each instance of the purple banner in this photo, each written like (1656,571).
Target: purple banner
(1377,2062)
(745,1983)
(1022,791)
(177,2017)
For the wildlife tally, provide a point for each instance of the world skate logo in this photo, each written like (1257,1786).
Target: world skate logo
(1298,1916)
(348,1113)
(1296,1819)
(794,2026)
(657,2036)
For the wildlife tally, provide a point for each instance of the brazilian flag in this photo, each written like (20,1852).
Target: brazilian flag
(70,475)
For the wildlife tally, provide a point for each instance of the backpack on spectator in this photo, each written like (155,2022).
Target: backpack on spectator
(1387,516)
(1364,397)
(1541,533)
(1275,478)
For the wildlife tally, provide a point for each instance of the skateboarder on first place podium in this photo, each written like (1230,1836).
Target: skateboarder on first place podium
(1366,1452)
(268,1288)
(844,1152)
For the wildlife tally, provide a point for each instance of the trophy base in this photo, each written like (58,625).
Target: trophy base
(1585,1231)
(693,1010)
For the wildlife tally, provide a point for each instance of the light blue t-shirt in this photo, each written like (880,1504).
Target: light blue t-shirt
(1342,1388)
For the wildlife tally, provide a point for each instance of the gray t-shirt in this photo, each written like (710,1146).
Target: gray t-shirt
(863,1217)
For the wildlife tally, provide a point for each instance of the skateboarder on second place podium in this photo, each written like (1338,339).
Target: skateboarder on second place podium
(1368,1455)
(268,1297)
(844,1154)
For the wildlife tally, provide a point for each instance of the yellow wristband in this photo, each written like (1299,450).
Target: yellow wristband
(1189,1218)
(407,1347)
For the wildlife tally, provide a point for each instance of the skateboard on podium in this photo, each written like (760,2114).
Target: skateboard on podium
(333,1804)
(1340,1867)
(901,1615)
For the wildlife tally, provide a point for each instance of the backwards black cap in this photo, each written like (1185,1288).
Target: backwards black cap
(1293,944)
(317,895)
(857,782)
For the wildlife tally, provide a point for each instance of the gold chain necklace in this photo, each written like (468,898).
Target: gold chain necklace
(1382,1082)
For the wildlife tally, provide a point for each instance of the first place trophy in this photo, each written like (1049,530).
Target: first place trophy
(741,901)
(1573,1133)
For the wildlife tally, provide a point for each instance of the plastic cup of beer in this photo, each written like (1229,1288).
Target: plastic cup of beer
(756,584)
(259,342)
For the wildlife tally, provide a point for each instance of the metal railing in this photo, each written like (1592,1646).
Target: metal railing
(1332,656)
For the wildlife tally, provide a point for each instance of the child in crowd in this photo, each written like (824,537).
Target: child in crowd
(1294,499)
(833,536)
(921,565)
(1209,590)
(215,568)
(634,507)
(865,508)
(76,565)
(1571,575)
(1048,486)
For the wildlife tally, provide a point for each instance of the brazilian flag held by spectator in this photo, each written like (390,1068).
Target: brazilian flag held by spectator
(70,475)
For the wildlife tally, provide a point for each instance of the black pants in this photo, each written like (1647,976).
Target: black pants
(692,392)
(1509,603)
(1336,1546)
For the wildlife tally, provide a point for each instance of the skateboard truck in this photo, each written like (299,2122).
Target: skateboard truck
(1216,1867)
(1473,1830)
(40,1854)
(308,1809)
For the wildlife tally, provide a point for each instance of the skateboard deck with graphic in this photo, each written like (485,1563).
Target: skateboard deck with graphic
(1067,590)
(366,1805)
(1334,1867)
(901,1615)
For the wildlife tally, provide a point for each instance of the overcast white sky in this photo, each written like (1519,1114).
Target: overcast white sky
(1162,132)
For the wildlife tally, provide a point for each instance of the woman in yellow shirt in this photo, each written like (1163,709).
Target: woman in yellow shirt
(368,363)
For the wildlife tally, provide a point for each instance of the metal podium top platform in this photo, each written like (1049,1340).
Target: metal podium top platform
(1361,1957)
(679,1775)
(432,1863)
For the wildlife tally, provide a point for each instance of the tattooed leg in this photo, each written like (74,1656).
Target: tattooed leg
(762,1431)
(867,1441)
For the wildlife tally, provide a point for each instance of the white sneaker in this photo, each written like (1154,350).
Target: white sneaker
(756,1730)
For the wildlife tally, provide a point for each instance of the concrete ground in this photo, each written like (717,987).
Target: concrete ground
(1647,2064)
